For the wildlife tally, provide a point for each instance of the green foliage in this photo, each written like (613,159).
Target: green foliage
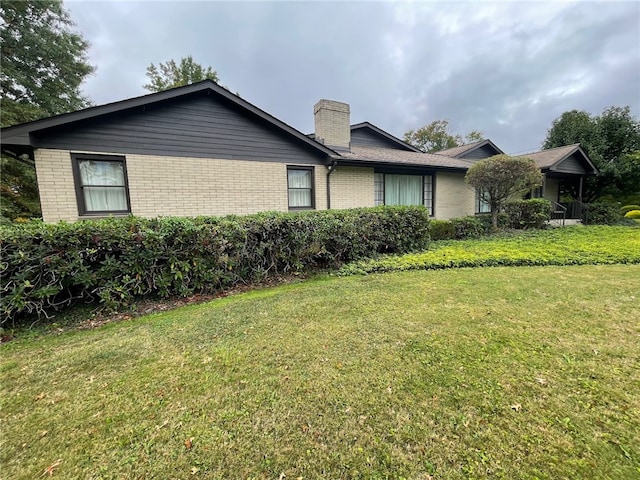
(633,214)
(442,230)
(628,208)
(18,190)
(612,142)
(43,61)
(562,246)
(172,74)
(531,213)
(43,64)
(600,214)
(500,178)
(47,266)
(436,137)
(469,227)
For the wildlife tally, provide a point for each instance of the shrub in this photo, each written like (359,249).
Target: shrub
(470,227)
(532,213)
(628,208)
(600,214)
(633,214)
(442,230)
(47,266)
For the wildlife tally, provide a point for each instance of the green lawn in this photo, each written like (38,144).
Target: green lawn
(469,373)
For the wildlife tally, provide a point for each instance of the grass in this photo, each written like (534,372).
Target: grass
(577,245)
(517,373)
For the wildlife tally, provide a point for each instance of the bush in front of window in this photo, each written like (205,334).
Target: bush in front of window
(471,227)
(442,230)
(113,261)
(531,213)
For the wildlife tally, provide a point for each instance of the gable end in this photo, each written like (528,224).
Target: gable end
(199,125)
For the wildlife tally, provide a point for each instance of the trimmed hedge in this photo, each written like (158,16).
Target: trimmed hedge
(469,227)
(600,214)
(45,267)
(532,213)
(633,214)
(628,208)
(518,214)
(442,230)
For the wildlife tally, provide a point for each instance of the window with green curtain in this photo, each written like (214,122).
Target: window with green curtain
(402,189)
(397,189)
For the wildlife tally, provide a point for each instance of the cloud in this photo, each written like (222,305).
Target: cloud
(507,69)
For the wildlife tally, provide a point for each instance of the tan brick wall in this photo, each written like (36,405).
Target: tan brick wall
(352,187)
(454,198)
(177,186)
(55,183)
(331,120)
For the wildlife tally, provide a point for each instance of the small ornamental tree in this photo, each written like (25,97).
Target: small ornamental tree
(500,178)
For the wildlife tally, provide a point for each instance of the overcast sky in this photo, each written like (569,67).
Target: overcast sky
(507,68)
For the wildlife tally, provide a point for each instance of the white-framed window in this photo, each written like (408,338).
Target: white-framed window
(403,189)
(300,188)
(101,184)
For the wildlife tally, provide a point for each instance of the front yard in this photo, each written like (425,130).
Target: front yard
(469,373)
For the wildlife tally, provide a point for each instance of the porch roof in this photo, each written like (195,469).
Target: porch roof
(570,159)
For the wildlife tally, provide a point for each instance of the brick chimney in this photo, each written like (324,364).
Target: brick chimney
(332,124)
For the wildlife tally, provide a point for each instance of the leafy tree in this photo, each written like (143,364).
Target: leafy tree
(171,74)
(43,64)
(19,189)
(436,137)
(500,178)
(612,142)
(43,61)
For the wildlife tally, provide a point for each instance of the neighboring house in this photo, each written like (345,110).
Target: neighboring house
(201,150)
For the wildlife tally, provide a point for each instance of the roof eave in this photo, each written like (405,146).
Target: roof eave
(373,163)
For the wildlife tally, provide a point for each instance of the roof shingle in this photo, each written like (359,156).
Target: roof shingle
(548,158)
(401,157)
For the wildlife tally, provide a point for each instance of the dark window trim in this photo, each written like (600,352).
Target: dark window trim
(313,187)
(386,172)
(77,180)
(478,202)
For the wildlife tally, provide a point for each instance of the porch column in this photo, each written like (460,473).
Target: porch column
(580,189)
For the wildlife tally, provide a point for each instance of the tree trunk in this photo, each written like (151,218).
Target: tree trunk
(494,219)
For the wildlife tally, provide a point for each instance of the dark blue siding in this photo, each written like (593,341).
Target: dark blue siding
(362,137)
(485,151)
(199,126)
(570,165)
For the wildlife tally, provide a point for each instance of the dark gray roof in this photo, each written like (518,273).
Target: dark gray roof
(19,134)
(547,159)
(390,156)
(463,149)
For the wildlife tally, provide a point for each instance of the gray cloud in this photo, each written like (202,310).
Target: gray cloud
(507,69)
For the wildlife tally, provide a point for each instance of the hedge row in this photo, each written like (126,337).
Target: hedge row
(47,266)
(518,214)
